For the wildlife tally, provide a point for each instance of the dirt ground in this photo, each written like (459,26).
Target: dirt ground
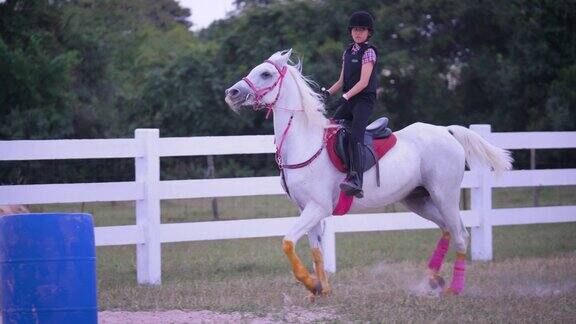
(181,317)
(295,314)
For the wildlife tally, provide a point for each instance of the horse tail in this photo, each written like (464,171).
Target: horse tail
(479,151)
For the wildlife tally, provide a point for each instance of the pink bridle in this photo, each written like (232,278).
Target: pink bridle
(260,93)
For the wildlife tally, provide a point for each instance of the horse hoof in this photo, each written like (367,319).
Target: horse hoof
(311,298)
(450,292)
(436,282)
(317,290)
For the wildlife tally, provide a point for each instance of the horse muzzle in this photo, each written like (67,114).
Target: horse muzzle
(237,96)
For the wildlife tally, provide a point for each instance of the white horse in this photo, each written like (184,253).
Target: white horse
(424,170)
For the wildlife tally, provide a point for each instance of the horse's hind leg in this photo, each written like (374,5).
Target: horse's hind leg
(447,202)
(314,237)
(420,203)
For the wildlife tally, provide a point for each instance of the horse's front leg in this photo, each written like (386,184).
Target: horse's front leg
(314,237)
(312,214)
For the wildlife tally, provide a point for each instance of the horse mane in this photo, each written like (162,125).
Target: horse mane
(311,101)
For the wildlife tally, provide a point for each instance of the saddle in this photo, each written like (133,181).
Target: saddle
(376,130)
(378,139)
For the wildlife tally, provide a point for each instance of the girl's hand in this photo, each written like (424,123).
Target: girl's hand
(337,104)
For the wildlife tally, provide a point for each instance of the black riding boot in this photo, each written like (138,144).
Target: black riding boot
(352,186)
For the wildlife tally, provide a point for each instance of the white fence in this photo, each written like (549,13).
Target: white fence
(147,190)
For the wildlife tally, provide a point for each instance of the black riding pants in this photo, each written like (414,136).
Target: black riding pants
(357,112)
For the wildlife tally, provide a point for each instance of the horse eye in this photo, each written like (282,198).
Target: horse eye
(266,74)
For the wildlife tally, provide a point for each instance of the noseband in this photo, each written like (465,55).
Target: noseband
(260,93)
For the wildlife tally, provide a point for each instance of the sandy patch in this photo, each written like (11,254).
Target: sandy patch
(289,314)
(171,316)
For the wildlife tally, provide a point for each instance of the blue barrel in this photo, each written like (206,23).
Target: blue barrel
(48,268)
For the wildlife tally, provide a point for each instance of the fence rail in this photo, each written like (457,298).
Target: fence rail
(147,190)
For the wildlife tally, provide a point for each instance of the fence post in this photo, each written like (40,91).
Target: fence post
(481,204)
(148,258)
(329,245)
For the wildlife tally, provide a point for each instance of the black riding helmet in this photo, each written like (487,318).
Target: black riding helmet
(361,19)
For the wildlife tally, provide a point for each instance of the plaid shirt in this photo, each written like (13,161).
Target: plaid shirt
(369,54)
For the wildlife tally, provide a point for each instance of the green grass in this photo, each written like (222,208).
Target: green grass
(377,273)
(532,277)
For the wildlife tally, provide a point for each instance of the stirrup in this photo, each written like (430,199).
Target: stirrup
(350,189)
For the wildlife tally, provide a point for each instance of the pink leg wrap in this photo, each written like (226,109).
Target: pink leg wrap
(437,257)
(458,277)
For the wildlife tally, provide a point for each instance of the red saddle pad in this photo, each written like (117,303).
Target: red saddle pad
(381,147)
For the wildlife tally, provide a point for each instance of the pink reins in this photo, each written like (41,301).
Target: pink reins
(278,155)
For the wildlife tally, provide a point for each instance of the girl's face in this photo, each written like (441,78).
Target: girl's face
(360,34)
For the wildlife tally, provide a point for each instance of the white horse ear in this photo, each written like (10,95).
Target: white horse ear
(287,53)
(281,58)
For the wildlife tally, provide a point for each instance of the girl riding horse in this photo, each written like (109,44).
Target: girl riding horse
(358,81)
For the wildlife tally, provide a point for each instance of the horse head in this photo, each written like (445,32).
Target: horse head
(261,87)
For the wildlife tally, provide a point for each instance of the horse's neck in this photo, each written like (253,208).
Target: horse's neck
(303,138)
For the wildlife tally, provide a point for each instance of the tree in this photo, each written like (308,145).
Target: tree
(35,72)
(100,68)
